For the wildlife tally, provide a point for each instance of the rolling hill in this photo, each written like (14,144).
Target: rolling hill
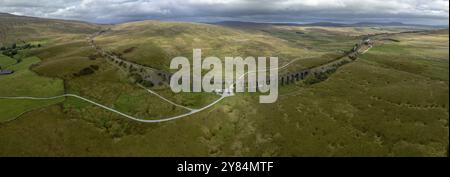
(21,28)
(391,101)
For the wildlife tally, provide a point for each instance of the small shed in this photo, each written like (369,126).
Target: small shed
(6,71)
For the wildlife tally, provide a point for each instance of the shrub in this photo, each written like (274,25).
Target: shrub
(84,72)
(10,53)
(95,67)
(27,46)
(129,50)
(13,52)
(147,83)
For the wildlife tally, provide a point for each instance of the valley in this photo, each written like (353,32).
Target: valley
(389,98)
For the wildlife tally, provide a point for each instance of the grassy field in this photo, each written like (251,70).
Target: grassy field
(19,29)
(24,82)
(5,61)
(393,101)
(155,43)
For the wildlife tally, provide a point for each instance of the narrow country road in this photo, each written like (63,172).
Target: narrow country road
(192,111)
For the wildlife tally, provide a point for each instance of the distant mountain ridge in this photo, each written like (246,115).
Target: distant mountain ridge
(261,24)
(326,24)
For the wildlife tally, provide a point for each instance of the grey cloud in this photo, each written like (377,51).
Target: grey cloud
(111,11)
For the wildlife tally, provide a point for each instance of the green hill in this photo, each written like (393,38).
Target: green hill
(154,43)
(18,29)
(392,101)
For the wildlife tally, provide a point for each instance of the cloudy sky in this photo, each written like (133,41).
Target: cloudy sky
(433,12)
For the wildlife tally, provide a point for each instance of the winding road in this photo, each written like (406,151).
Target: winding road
(191,111)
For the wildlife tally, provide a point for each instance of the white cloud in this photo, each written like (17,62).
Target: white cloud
(275,10)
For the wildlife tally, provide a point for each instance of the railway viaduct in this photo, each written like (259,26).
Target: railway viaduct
(159,79)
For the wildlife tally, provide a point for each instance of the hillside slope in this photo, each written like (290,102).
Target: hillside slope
(154,43)
(16,29)
(392,101)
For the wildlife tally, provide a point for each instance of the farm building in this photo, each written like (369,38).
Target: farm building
(6,72)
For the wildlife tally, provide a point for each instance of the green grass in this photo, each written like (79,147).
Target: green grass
(156,43)
(17,29)
(24,82)
(393,101)
(5,61)
(424,55)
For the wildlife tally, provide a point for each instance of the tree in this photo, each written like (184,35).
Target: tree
(85,71)
(148,84)
(27,46)
(13,52)
(2,48)
(14,46)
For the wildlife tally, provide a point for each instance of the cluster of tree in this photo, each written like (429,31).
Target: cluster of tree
(10,53)
(13,50)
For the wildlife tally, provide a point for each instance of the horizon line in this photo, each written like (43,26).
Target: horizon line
(239,21)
